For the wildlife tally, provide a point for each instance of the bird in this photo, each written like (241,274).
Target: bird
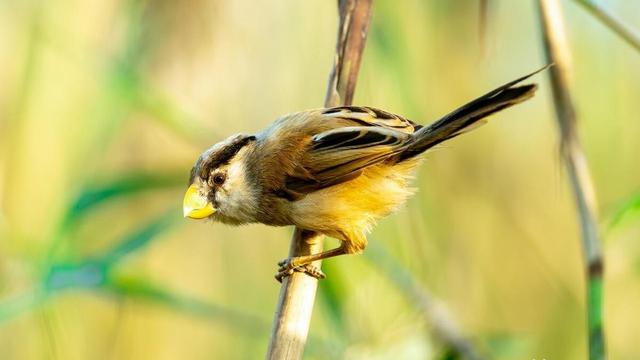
(334,171)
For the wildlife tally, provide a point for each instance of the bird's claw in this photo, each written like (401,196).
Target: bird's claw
(288,266)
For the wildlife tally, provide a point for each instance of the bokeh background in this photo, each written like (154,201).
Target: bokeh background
(105,105)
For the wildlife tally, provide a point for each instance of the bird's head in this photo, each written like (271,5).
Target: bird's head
(219,186)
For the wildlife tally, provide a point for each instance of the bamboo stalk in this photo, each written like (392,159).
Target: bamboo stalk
(612,22)
(557,51)
(298,291)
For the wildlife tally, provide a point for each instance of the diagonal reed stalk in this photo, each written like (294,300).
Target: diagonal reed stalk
(557,52)
(297,293)
(442,324)
(612,22)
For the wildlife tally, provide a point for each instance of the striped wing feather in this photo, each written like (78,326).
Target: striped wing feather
(368,116)
(340,154)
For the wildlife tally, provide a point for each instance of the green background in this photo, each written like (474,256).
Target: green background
(105,105)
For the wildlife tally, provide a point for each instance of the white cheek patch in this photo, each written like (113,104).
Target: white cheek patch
(236,198)
(235,178)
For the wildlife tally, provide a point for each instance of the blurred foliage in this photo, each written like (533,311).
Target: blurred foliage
(628,211)
(106,104)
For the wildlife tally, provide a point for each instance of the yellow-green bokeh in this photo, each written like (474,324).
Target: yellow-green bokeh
(115,100)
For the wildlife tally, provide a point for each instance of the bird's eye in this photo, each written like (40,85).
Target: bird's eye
(219,179)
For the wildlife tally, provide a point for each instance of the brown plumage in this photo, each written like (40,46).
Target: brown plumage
(334,171)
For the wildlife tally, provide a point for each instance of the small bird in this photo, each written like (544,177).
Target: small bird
(333,171)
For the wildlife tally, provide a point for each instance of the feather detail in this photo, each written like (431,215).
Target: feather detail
(339,155)
(368,116)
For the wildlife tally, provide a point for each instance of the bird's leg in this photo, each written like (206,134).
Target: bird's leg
(352,243)
(303,263)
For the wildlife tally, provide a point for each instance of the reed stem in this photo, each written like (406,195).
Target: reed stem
(557,52)
(298,291)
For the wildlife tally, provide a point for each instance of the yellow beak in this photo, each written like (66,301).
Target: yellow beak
(196,206)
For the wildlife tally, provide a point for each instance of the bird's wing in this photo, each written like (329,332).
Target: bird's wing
(340,154)
(368,116)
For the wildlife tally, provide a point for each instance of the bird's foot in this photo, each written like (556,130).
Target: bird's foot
(288,266)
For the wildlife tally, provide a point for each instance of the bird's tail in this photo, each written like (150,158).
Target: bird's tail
(469,116)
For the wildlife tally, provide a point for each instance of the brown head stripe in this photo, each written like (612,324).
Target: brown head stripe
(222,156)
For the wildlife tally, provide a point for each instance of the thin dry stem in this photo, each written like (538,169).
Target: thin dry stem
(612,22)
(556,50)
(297,294)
